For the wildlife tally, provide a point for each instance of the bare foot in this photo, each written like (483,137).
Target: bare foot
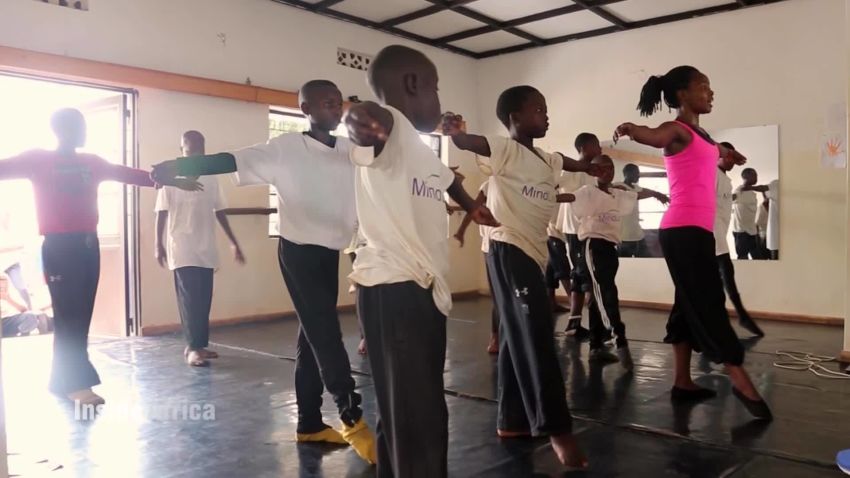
(208,354)
(493,346)
(195,359)
(513,434)
(86,397)
(567,450)
(361,349)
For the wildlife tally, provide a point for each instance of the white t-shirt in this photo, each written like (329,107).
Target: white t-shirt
(631,222)
(565,182)
(521,194)
(482,229)
(190,233)
(744,208)
(314,184)
(402,213)
(761,220)
(567,219)
(600,214)
(723,214)
(773,216)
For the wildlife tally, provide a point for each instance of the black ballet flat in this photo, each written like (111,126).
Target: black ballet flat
(685,395)
(757,408)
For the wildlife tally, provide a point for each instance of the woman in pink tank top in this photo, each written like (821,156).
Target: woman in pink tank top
(699,320)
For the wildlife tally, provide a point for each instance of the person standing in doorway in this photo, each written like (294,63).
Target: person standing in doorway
(189,249)
(65,184)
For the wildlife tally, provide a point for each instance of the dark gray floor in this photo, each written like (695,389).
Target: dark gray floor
(625,422)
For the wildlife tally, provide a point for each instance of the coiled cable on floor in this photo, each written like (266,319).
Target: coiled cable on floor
(805,361)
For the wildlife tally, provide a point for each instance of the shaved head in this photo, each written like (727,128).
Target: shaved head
(193,143)
(309,91)
(69,126)
(406,79)
(391,64)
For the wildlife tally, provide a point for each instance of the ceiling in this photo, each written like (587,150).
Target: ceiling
(486,28)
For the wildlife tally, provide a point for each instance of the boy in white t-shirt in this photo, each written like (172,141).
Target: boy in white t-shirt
(588,147)
(744,208)
(522,196)
(634,239)
(314,180)
(600,210)
(186,244)
(725,197)
(401,271)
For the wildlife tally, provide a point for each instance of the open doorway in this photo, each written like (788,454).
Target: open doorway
(26,104)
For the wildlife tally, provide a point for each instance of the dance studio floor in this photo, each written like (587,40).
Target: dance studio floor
(625,422)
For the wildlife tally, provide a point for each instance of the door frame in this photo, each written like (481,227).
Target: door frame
(132,271)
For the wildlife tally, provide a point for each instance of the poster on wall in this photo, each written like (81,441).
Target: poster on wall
(833,140)
(75,4)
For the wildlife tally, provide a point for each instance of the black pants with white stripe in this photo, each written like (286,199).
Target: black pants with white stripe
(699,316)
(604,311)
(72,270)
(532,395)
(406,337)
(194,286)
(311,274)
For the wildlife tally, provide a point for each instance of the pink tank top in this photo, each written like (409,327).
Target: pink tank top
(692,174)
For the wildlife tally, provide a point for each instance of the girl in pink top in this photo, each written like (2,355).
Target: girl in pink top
(699,320)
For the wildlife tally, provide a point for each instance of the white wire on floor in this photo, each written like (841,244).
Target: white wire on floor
(804,361)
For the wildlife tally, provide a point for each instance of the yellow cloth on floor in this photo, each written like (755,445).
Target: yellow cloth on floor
(360,437)
(328,435)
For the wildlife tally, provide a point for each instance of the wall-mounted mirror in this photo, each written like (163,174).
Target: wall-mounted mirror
(752,211)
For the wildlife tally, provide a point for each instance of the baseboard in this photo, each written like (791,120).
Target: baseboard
(153,330)
(761,315)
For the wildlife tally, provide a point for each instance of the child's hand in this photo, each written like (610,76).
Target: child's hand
(624,129)
(482,215)
(161,256)
(460,177)
(364,128)
(453,124)
(190,185)
(663,199)
(238,256)
(164,173)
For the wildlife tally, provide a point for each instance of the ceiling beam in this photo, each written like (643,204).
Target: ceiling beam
(326,3)
(376,26)
(536,17)
(492,22)
(601,12)
(702,12)
(430,10)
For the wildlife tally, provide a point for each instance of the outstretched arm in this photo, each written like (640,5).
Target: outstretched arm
(649,193)
(369,124)
(660,137)
(454,127)
(234,244)
(759,189)
(16,167)
(206,165)
(568,197)
(479,212)
(467,219)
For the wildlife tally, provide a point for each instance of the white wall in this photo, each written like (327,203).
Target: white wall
(274,45)
(777,64)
